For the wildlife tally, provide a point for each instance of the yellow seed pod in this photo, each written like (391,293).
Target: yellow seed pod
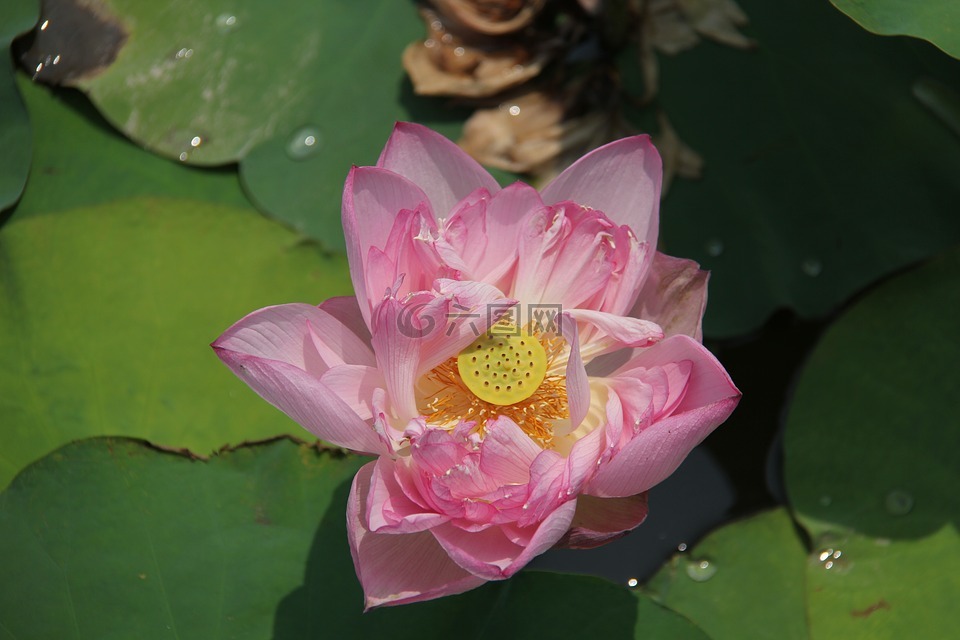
(502,369)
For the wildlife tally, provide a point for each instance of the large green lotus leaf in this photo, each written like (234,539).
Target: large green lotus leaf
(745,580)
(352,106)
(110,538)
(108,312)
(823,172)
(319,84)
(16,17)
(79,160)
(206,82)
(935,20)
(860,587)
(870,454)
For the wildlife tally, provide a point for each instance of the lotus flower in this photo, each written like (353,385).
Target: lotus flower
(524,365)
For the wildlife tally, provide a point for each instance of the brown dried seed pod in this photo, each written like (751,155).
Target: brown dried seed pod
(490,17)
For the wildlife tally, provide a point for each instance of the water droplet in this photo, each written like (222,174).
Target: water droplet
(459,51)
(812,267)
(825,501)
(898,502)
(226,22)
(429,43)
(196,141)
(682,547)
(514,110)
(304,143)
(632,582)
(830,558)
(183,156)
(183,54)
(714,247)
(446,38)
(43,27)
(701,570)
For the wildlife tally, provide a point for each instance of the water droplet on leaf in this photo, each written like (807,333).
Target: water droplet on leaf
(632,582)
(812,267)
(304,143)
(898,502)
(701,570)
(226,22)
(714,247)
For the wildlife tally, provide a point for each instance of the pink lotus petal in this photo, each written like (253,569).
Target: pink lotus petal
(507,452)
(622,179)
(655,452)
(612,331)
(504,216)
(565,256)
(390,510)
(347,311)
(708,379)
(372,198)
(674,296)
(355,385)
(282,333)
(491,555)
(398,357)
(398,569)
(442,169)
(578,387)
(305,399)
(598,521)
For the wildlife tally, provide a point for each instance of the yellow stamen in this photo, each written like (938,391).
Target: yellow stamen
(458,391)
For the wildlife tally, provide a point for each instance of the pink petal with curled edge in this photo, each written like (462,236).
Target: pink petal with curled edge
(622,179)
(598,521)
(630,260)
(304,398)
(505,213)
(372,198)
(398,569)
(438,166)
(612,331)
(507,452)
(674,296)
(491,555)
(707,382)
(578,386)
(389,509)
(584,259)
(654,453)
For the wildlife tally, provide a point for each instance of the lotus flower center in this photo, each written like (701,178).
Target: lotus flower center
(503,369)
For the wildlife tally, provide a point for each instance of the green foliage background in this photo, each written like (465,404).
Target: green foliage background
(146,493)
